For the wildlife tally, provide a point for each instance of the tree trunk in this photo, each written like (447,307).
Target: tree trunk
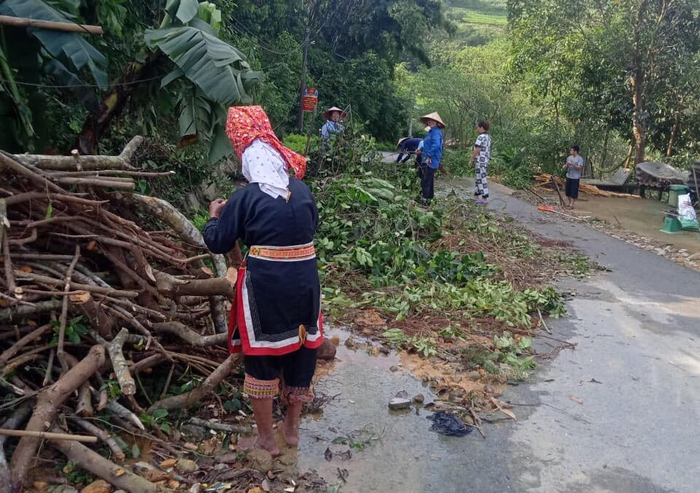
(637,83)
(114,102)
(674,130)
(605,151)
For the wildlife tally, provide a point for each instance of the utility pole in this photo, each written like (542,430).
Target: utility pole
(302,84)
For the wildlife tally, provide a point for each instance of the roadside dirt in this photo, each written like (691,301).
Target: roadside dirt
(635,221)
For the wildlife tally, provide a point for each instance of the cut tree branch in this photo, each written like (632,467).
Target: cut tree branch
(51,25)
(63,319)
(109,471)
(17,312)
(11,351)
(190,336)
(40,181)
(121,369)
(13,422)
(173,287)
(7,261)
(48,405)
(102,435)
(75,286)
(93,311)
(85,162)
(197,394)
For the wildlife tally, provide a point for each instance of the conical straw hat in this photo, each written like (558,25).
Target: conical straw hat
(401,140)
(435,117)
(327,114)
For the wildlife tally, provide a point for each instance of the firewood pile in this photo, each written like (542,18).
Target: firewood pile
(544,180)
(100,286)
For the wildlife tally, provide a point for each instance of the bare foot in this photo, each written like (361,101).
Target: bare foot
(290,432)
(250,443)
(269,444)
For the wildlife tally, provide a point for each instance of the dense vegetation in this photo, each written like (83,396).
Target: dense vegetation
(619,78)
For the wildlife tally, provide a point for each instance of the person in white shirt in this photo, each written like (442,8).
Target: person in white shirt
(574,169)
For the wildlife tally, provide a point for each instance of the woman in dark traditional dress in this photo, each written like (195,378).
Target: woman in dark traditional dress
(276,316)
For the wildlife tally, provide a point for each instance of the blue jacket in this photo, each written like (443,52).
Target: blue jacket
(432,147)
(330,128)
(408,147)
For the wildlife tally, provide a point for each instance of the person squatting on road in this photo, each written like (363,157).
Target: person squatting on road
(431,155)
(574,168)
(276,316)
(407,148)
(482,155)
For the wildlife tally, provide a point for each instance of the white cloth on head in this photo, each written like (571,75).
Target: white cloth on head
(263,165)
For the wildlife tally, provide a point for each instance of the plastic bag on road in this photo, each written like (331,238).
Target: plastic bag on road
(686,213)
(448,424)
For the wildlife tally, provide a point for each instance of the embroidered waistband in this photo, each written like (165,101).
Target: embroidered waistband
(283,254)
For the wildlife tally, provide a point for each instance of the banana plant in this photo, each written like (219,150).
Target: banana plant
(211,74)
(63,56)
(69,47)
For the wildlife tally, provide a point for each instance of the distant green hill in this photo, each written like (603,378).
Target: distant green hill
(480,12)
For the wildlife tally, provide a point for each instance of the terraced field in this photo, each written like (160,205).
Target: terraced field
(478,12)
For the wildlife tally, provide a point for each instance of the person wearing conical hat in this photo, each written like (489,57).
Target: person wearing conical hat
(431,155)
(332,126)
(407,146)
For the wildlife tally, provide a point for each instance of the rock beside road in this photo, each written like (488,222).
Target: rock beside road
(398,403)
(474,375)
(326,350)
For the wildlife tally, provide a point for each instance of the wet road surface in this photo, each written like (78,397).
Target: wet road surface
(617,415)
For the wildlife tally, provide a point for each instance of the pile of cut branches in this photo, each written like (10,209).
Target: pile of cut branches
(544,181)
(98,284)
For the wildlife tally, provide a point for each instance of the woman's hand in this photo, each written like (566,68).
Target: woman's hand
(215,208)
(428,161)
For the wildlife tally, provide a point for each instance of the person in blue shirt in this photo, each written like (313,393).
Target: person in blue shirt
(332,127)
(431,155)
(407,147)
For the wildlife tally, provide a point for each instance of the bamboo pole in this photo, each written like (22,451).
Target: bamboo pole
(48,435)
(52,25)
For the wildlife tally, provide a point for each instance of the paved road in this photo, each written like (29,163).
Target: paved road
(632,428)
(638,333)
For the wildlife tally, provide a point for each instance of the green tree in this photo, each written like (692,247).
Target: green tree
(613,61)
(185,50)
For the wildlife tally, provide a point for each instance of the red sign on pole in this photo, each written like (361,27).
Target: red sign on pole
(310,99)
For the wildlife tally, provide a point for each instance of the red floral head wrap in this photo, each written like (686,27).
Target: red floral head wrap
(247,123)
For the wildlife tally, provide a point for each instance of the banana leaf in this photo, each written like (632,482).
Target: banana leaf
(61,45)
(218,69)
